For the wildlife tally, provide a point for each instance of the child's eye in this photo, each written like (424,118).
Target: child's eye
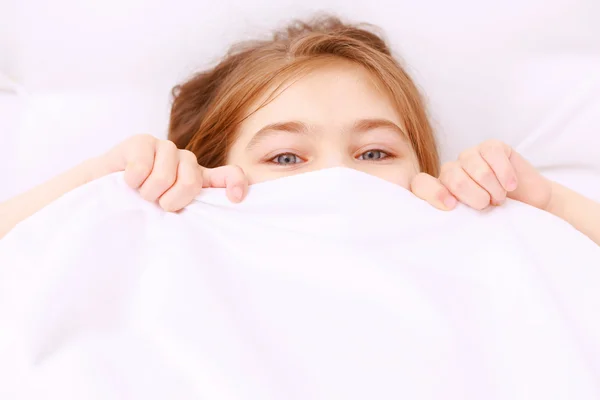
(286,159)
(373,155)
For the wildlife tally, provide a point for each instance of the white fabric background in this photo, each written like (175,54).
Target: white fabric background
(309,289)
(96,72)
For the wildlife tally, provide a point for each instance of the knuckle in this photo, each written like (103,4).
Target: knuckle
(168,145)
(460,183)
(453,179)
(144,137)
(483,175)
(188,156)
(467,155)
(141,166)
(162,180)
(492,146)
(491,143)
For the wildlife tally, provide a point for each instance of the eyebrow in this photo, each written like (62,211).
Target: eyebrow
(297,127)
(365,125)
(272,129)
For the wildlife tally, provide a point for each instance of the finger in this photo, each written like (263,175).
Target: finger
(164,171)
(231,177)
(479,170)
(497,155)
(463,187)
(430,189)
(187,185)
(140,161)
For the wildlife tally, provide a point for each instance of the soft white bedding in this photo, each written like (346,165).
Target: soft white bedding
(327,285)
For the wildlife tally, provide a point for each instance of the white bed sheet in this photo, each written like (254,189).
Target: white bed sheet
(331,284)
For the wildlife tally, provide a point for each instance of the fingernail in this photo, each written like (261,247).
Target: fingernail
(450,202)
(512,185)
(237,193)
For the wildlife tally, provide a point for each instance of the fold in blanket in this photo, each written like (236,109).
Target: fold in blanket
(326,285)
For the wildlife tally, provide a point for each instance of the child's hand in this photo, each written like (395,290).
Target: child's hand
(163,173)
(482,176)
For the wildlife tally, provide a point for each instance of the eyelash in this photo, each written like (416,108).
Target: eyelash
(385,156)
(273,159)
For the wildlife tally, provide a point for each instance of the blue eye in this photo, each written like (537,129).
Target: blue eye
(373,155)
(286,159)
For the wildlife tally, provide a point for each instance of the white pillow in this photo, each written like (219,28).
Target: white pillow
(11,107)
(45,133)
(557,105)
(489,70)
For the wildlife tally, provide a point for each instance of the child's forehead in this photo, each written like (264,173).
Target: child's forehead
(332,87)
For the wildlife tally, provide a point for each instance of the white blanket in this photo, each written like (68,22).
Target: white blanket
(327,285)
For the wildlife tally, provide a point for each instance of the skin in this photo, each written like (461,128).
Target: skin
(335,116)
(347,122)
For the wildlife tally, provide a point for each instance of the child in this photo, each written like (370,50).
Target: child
(316,95)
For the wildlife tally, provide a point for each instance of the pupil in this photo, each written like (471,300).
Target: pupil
(286,159)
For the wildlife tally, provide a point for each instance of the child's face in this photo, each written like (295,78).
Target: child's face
(333,117)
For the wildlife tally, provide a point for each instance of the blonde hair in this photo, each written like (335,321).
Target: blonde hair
(208,108)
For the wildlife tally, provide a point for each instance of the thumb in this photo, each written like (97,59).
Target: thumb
(430,189)
(533,189)
(230,177)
